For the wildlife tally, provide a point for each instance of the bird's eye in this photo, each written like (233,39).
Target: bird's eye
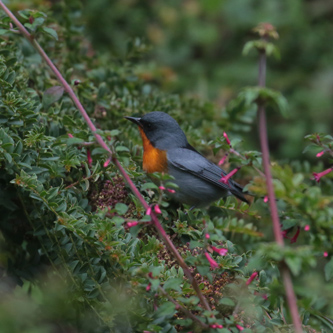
(148,125)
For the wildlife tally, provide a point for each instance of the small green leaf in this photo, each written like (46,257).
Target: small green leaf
(121,208)
(74,141)
(52,95)
(148,186)
(173,283)
(121,148)
(51,32)
(329,270)
(227,301)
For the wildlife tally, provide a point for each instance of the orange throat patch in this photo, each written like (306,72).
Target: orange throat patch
(154,160)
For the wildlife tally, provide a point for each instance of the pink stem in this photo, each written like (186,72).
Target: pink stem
(99,139)
(290,294)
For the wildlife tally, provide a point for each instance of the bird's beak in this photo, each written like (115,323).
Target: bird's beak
(135,120)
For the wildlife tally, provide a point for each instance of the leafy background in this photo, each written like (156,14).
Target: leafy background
(67,262)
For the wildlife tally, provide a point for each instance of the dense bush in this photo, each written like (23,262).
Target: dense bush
(69,259)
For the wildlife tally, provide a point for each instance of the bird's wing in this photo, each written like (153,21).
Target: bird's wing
(191,161)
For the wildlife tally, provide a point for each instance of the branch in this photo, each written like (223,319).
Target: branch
(187,313)
(290,294)
(101,142)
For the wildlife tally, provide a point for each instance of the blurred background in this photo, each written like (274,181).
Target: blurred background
(196,50)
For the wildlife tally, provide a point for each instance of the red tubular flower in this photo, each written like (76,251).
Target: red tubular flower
(213,326)
(107,162)
(294,239)
(321,153)
(266,199)
(162,188)
(131,224)
(89,158)
(221,252)
(241,328)
(307,228)
(325,254)
(222,160)
(212,262)
(207,236)
(251,278)
(70,135)
(170,190)
(226,138)
(317,176)
(225,179)
(148,287)
(157,209)
(148,212)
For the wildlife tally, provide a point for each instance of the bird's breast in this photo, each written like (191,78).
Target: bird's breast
(154,159)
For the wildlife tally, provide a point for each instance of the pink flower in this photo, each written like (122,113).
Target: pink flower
(148,212)
(170,190)
(213,326)
(241,328)
(222,160)
(89,158)
(284,234)
(107,162)
(294,239)
(157,209)
(221,252)
(131,224)
(317,176)
(318,137)
(251,278)
(219,326)
(162,188)
(226,138)
(148,287)
(212,262)
(321,153)
(150,274)
(207,236)
(325,254)
(307,228)
(225,179)
(266,198)
(70,135)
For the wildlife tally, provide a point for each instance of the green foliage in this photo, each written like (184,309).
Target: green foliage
(69,261)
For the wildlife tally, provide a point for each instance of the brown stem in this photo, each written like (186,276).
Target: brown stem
(290,294)
(100,141)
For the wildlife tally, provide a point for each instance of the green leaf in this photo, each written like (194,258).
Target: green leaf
(173,283)
(52,95)
(166,309)
(329,270)
(121,148)
(227,301)
(51,32)
(148,186)
(74,141)
(121,208)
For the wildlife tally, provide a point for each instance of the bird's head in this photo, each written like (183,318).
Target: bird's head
(161,130)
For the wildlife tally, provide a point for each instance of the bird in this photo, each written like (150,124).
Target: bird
(166,149)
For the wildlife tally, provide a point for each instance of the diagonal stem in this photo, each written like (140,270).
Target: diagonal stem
(101,142)
(290,294)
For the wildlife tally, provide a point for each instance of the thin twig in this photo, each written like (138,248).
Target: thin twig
(290,294)
(188,313)
(101,142)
